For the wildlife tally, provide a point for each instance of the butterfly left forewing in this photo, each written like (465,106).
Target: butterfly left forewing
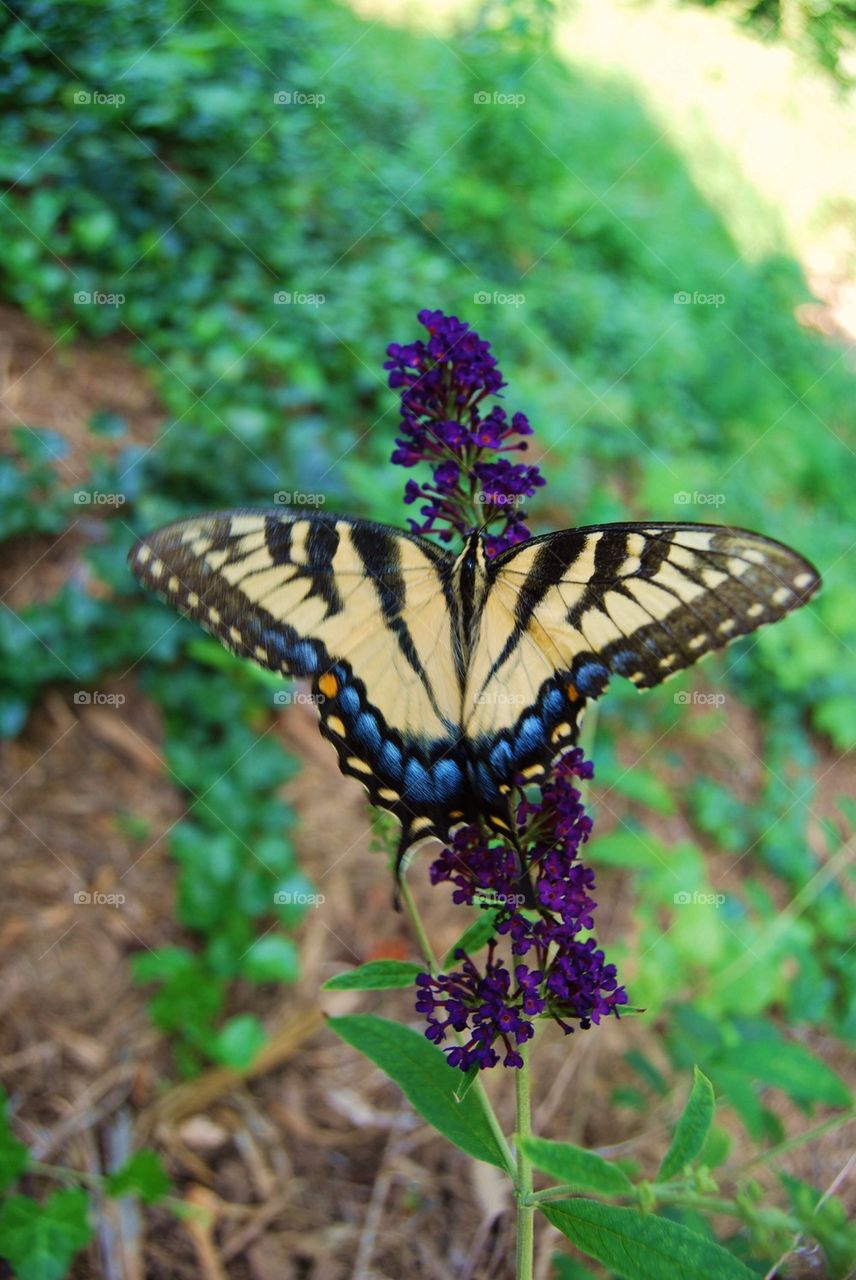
(358,608)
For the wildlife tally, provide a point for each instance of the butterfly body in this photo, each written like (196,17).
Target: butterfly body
(442,680)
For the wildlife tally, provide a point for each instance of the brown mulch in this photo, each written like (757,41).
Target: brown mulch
(311,1166)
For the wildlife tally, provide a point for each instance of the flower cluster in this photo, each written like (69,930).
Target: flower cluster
(539,892)
(542,902)
(444,383)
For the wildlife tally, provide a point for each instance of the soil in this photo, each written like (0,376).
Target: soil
(311,1166)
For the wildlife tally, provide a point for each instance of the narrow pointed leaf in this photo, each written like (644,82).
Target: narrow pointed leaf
(421,1072)
(377,975)
(692,1128)
(576,1167)
(640,1246)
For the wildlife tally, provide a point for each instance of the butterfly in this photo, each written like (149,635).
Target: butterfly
(444,681)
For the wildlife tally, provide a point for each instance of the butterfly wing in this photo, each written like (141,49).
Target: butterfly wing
(359,608)
(568,610)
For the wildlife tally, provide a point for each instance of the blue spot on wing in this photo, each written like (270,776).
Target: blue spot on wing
(417,783)
(349,701)
(366,731)
(304,660)
(625,661)
(501,759)
(590,679)
(486,786)
(553,704)
(447,780)
(390,759)
(530,736)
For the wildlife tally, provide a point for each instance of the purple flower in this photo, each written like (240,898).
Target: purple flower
(539,892)
(443,384)
(542,901)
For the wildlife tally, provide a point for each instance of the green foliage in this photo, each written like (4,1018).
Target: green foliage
(142,1175)
(199,198)
(41,1237)
(823,31)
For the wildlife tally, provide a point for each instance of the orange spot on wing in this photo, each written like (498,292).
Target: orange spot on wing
(573,694)
(328,685)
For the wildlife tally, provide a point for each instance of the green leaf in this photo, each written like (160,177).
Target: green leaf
(237,1043)
(474,936)
(40,1240)
(13,1153)
(692,1128)
(143,1175)
(377,975)
(789,1067)
(272,958)
(428,1082)
(638,1246)
(576,1166)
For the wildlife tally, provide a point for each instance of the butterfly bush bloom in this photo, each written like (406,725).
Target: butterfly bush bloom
(444,384)
(539,891)
(542,903)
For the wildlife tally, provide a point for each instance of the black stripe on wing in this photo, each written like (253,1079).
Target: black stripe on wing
(674,592)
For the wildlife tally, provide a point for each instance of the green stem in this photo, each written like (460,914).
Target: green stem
(418,928)
(523,1187)
(434,965)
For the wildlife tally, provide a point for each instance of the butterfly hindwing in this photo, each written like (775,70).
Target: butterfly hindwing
(358,608)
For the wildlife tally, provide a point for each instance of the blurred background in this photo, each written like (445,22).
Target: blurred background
(214,220)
